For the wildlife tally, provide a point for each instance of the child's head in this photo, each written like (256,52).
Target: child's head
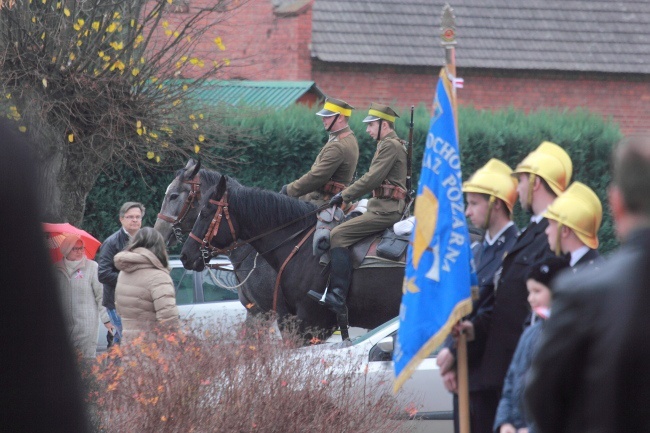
(539,281)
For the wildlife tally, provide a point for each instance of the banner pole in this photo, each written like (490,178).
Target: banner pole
(448,41)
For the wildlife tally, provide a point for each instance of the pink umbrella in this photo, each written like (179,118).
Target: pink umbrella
(56,234)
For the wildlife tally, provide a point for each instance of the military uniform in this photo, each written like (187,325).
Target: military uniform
(335,164)
(386,179)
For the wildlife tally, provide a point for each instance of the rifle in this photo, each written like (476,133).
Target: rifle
(409,169)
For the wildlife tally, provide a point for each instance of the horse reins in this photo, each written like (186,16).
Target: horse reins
(194,195)
(222,208)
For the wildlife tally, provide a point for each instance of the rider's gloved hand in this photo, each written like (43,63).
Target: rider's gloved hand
(337,200)
(283,191)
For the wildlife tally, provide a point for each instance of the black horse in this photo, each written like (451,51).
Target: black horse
(178,213)
(252,213)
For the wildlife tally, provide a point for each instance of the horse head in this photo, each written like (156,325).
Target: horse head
(214,227)
(180,206)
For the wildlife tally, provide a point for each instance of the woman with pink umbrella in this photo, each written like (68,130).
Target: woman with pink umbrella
(81,294)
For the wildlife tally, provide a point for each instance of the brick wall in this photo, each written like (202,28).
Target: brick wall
(624,97)
(260,44)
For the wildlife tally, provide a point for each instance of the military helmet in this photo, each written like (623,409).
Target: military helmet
(579,209)
(550,162)
(378,111)
(333,107)
(494,178)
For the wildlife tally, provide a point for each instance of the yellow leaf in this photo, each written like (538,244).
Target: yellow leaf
(95,26)
(132,23)
(81,22)
(66,12)
(8,96)
(100,54)
(176,34)
(138,124)
(168,32)
(79,43)
(117,46)
(195,126)
(45,83)
(139,38)
(71,138)
(76,27)
(153,135)
(157,159)
(201,138)
(116,16)
(139,130)
(43,35)
(72,56)
(154,79)
(150,155)
(185,87)
(165,24)
(106,58)
(135,72)
(176,102)
(192,117)
(54,59)
(142,60)
(111,28)
(197,148)
(226,62)
(194,60)
(22,128)
(33,19)
(184,59)
(219,43)
(201,115)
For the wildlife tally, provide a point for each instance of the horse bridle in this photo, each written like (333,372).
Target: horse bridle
(194,195)
(206,249)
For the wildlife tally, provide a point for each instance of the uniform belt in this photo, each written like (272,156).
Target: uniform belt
(389,192)
(332,188)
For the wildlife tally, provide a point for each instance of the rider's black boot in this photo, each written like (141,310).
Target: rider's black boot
(340,278)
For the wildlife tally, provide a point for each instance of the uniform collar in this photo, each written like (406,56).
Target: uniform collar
(537,218)
(578,254)
(490,241)
(339,132)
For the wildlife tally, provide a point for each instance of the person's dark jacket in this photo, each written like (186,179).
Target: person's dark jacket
(107,271)
(590,373)
(511,306)
(511,406)
(488,261)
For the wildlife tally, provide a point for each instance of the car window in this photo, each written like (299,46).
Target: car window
(213,285)
(184,284)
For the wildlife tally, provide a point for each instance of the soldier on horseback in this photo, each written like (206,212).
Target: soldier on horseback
(336,163)
(386,179)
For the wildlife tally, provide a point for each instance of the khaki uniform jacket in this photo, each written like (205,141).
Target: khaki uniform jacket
(388,164)
(336,161)
(144,295)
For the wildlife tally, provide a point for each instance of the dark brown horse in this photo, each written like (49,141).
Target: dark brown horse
(375,293)
(178,213)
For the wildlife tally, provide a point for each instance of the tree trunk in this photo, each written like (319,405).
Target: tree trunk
(66,172)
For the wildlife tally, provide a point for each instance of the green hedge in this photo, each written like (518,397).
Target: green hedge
(282,145)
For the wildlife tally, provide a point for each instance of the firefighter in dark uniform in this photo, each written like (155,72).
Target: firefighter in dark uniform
(336,163)
(543,175)
(386,179)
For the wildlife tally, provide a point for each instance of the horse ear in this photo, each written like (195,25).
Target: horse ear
(220,190)
(197,167)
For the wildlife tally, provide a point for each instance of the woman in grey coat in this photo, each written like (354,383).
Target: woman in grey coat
(81,296)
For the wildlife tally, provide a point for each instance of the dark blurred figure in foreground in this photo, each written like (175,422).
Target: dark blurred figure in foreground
(40,389)
(591,371)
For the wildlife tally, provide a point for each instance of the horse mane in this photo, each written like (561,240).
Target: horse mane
(268,209)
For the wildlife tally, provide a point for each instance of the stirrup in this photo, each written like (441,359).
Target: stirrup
(317,296)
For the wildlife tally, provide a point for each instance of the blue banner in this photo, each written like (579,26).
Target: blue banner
(439,269)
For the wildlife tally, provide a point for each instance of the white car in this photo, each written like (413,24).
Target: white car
(430,404)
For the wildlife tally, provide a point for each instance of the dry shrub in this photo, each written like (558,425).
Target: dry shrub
(198,381)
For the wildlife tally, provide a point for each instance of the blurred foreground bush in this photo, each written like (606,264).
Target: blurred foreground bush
(200,381)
